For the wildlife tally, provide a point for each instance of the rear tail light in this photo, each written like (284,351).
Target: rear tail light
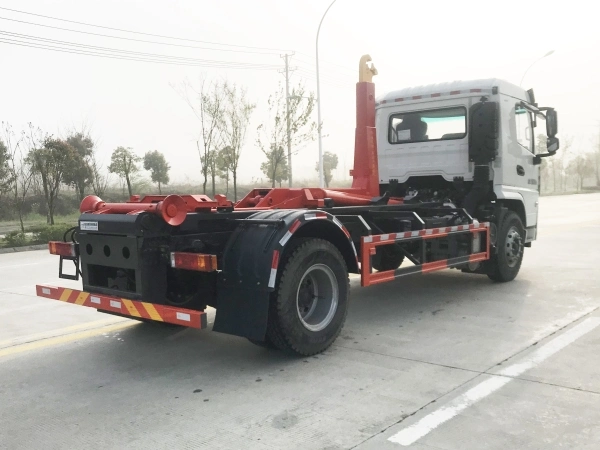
(194,261)
(62,248)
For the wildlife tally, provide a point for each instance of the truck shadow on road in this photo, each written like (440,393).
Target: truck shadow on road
(380,319)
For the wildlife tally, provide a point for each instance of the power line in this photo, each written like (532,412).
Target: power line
(309,78)
(326,76)
(339,76)
(345,84)
(24,38)
(310,58)
(139,32)
(121,57)
(139,40)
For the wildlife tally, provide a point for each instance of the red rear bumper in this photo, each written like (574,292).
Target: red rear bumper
(123,306)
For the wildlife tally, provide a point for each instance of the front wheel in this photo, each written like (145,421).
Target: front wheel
(310,303)
(505,264)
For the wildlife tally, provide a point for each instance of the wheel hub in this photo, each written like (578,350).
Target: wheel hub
(513,247)
(317,297)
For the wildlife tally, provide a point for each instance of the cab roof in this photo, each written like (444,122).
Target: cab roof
(460,87)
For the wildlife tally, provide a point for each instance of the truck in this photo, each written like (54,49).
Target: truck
(444,176)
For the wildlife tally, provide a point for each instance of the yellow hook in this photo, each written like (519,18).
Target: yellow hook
(366,71)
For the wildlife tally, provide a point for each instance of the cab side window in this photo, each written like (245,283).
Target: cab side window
(430,125)
(523,125)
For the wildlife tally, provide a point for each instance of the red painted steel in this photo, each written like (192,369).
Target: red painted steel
(370,243)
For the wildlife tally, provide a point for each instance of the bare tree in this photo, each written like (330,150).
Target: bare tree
(580,167)
(272,136)
(561,161)
(207,105)
(21,173)
(99,180)
(595,158)
(222,163)
(6,176)
(237,111)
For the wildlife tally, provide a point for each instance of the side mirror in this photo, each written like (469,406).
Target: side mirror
(552,144)
(551,125)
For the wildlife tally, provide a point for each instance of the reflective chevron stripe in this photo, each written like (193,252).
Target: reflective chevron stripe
(126,307)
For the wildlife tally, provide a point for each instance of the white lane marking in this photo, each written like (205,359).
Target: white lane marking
(430,422)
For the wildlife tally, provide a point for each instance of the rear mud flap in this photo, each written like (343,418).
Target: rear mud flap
(242,312)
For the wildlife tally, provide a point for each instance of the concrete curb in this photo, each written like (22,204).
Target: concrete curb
(27,248)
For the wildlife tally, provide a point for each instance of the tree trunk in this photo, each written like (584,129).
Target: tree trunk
(212,176)
(159,190)
(235,185)
(21,219)
(128,185)
(46,197)
(51,210)
(81,189)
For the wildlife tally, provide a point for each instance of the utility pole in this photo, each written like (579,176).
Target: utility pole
(287,116)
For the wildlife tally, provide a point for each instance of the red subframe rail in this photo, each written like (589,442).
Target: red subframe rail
(130,308)
(369,243)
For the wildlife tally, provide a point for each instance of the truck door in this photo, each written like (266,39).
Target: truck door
(519,173)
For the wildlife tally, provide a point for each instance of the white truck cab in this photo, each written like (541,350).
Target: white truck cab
(432,138)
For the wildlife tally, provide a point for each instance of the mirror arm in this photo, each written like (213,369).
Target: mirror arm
(545,155)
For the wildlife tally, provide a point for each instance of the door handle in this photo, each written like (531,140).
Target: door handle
(520,171)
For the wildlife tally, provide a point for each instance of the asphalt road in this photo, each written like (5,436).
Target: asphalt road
(439,361)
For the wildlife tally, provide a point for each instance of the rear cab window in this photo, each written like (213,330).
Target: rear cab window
(431,125)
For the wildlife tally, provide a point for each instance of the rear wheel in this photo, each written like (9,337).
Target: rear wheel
(505,264)
(309,307)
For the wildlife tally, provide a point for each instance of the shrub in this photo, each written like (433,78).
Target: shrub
(15,239)
(46,233)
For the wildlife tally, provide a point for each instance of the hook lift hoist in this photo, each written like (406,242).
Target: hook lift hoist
(445,176)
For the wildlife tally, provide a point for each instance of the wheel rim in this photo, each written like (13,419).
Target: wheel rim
(317,297)
(513,247)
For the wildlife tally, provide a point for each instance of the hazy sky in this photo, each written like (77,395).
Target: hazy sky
(132,103)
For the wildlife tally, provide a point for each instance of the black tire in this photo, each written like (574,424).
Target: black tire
(299,321)
(387,257)
(506,262)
